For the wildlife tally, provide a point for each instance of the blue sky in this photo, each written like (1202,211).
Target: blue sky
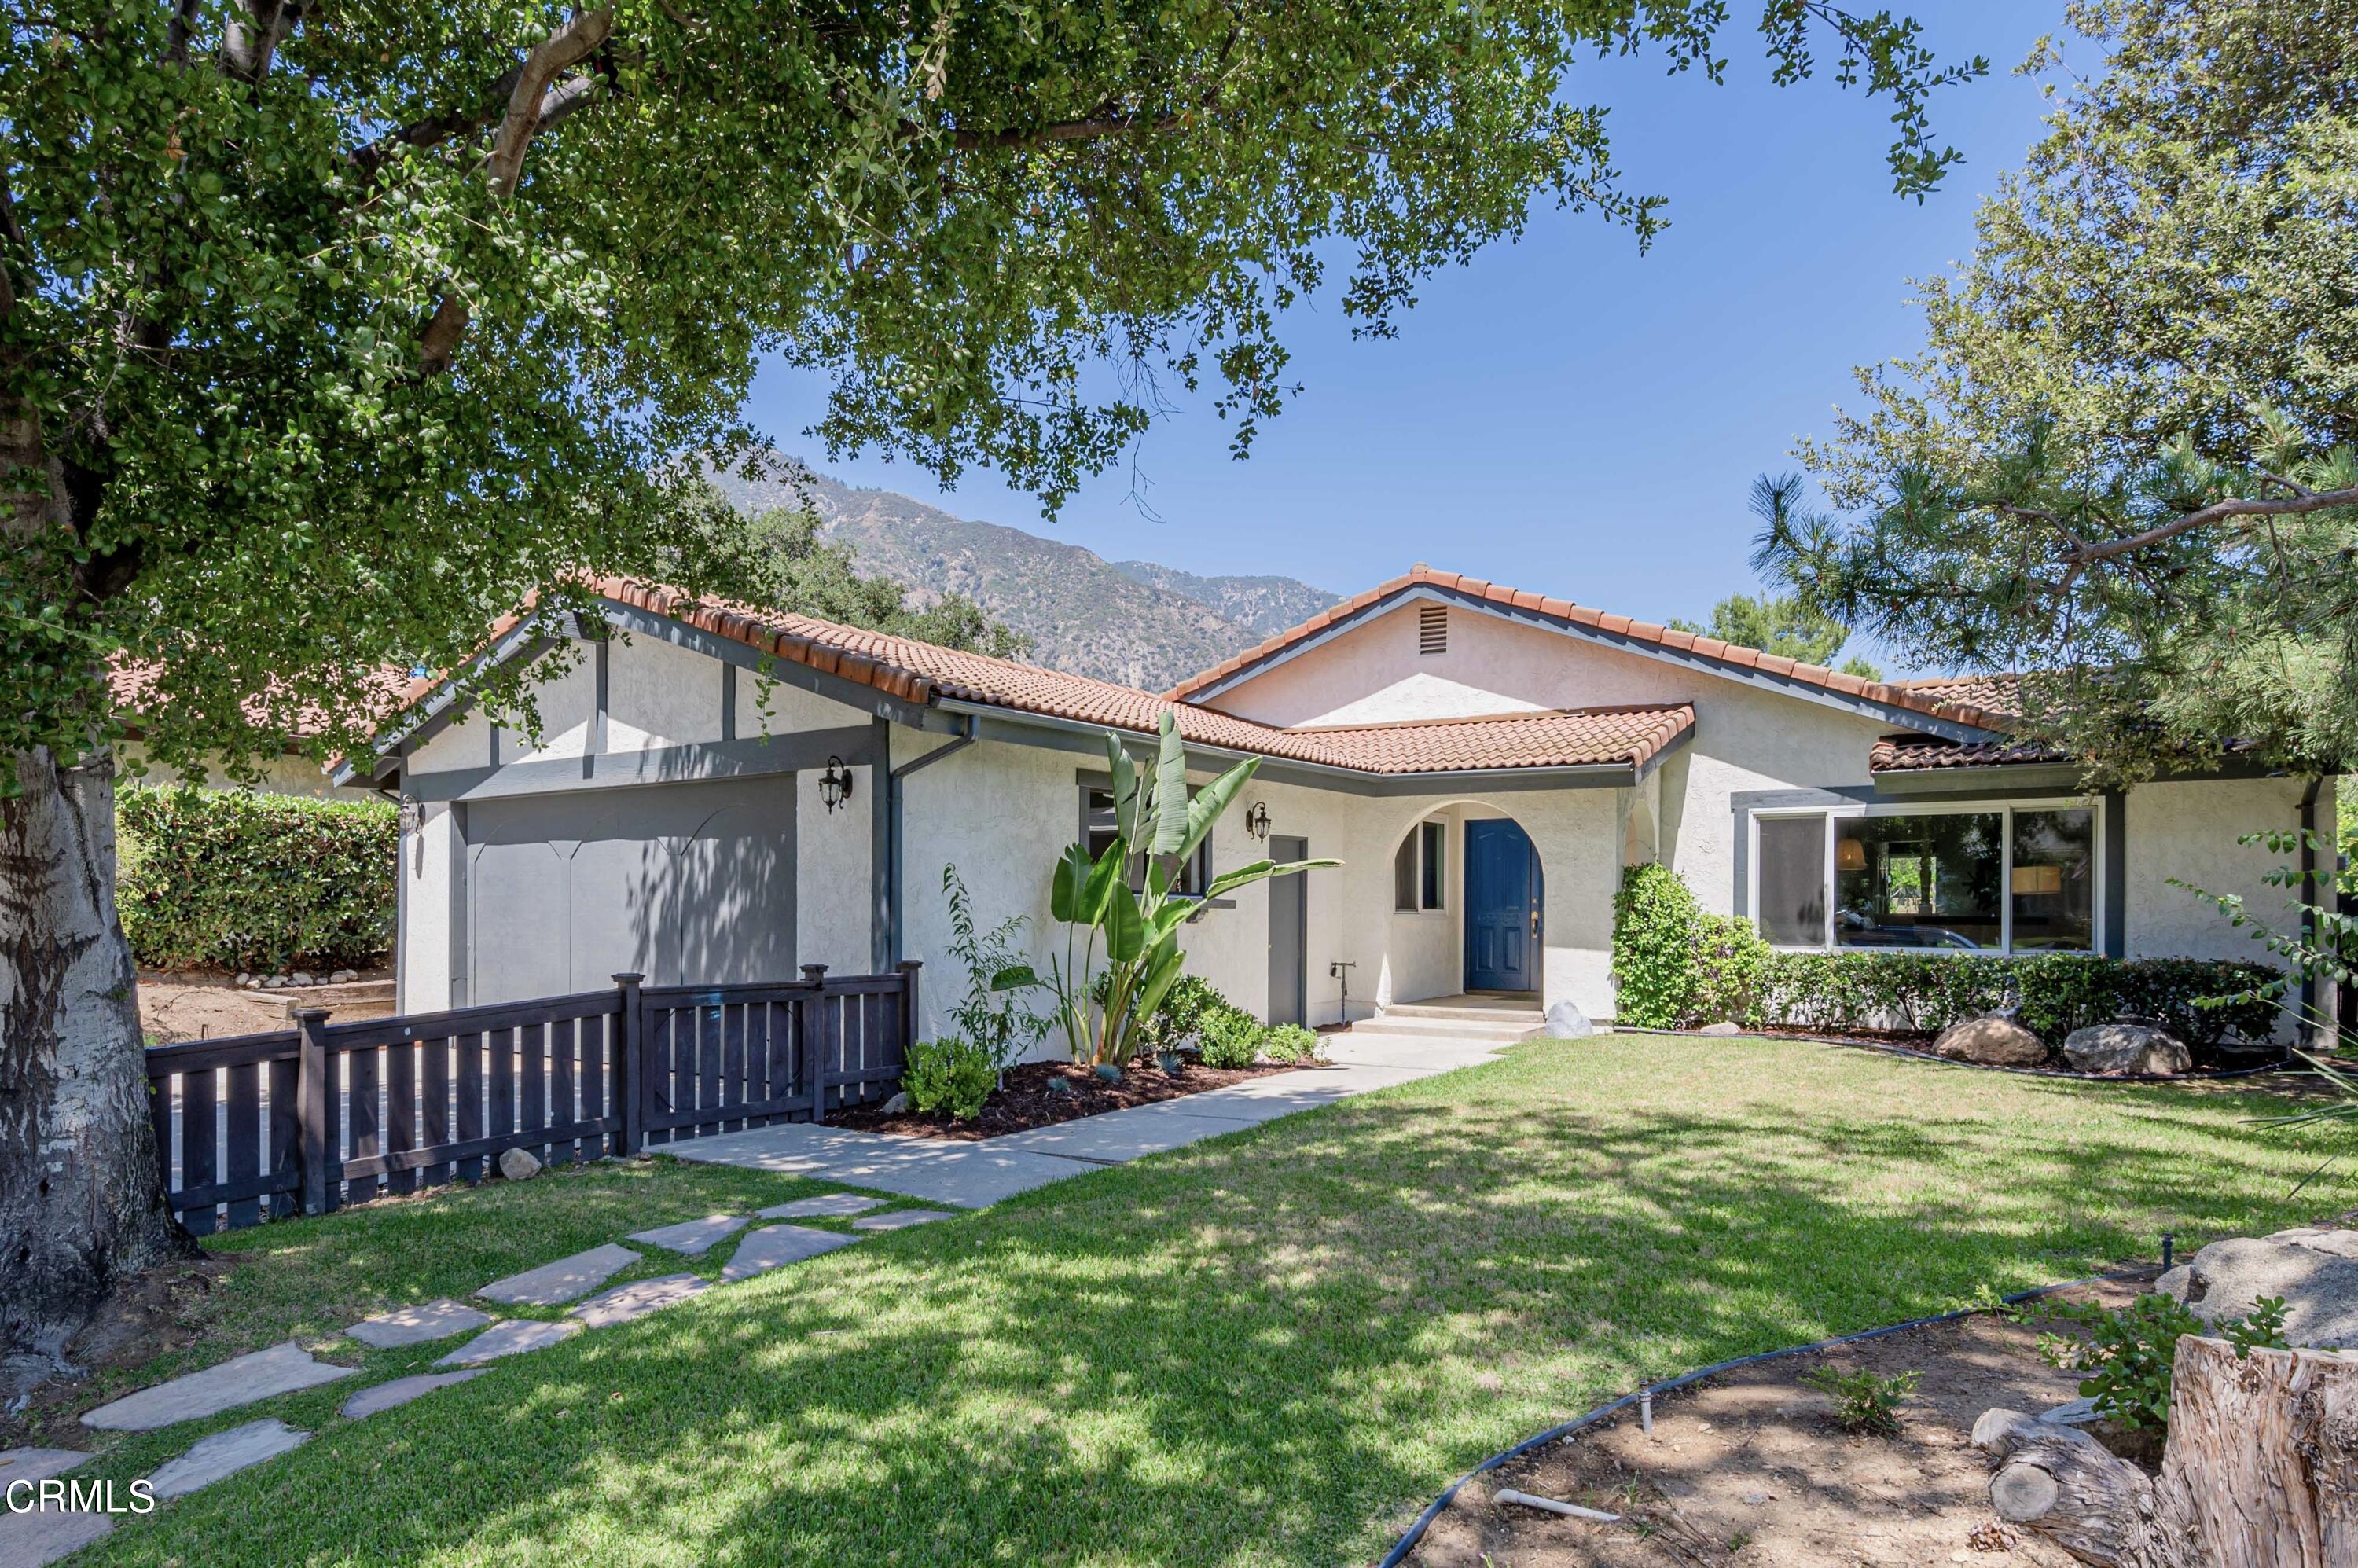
(1566,415)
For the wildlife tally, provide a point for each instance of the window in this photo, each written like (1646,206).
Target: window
(1419,868)
(1793,880)
(1985,879)
(1097,831)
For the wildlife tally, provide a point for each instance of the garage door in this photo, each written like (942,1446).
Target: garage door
(687,884)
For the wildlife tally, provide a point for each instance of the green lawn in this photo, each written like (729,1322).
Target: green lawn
(1270,1349)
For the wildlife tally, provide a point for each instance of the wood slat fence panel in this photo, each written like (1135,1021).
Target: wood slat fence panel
(303,1121)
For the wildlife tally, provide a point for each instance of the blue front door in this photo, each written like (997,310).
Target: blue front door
(1502,908)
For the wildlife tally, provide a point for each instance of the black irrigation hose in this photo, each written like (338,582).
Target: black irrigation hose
(1407,1544)
(1888,1048)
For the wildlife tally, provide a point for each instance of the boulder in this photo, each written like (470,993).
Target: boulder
(1723,1027)
(2315,1270)
(1994,1039)
(1566,1022)
(518,1165)
(895,1106)
(302,977)
(2127,1048)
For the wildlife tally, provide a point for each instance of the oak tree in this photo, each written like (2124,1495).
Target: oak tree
(327,332)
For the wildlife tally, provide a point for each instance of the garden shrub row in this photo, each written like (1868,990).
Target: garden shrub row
(236,880)
(1676,967)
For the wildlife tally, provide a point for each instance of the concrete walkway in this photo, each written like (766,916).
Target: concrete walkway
(978,1174)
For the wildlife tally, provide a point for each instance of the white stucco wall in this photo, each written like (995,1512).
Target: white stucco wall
(658,693)
(2187,831)
(833,852)
(423,976)
(1745,738)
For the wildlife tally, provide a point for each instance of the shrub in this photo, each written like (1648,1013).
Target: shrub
(1655,928)
(1232,1037)
(236,880)
(2056,994)
(1863,1402)
(952,1075)
(1180,1019)
(2130,1350)
(1730,967)
(1290,1043)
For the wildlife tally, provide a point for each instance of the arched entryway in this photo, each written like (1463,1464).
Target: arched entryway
(1505,895)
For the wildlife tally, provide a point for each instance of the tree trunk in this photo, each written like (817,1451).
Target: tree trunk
(2261,1470)
(82,1193)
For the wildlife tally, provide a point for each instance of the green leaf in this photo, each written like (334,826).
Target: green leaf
(1170,790)
(1015,977)
(1212,801)
(1068,891)
(1124,774)
(1261,871)
(1125,931)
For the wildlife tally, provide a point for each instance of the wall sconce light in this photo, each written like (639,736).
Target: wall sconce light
(835,785)
(1850,855)
(1256,820)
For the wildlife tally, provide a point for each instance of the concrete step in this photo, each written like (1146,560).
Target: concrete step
(1460,1028)
(1486,1014)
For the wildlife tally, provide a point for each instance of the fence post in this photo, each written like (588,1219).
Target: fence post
(816,1040)
(311,1091)
(910,1016)
(630,1066)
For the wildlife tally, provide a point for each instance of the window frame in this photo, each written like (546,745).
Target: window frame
(1425,873)
(1834,815)
(1200,863)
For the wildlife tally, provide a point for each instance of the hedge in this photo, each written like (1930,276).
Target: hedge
(235,879)
(1676,967)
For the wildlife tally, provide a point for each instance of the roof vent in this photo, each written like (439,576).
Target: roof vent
(1433,629)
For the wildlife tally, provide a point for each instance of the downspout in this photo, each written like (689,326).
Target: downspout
(2313,989)
(896,871)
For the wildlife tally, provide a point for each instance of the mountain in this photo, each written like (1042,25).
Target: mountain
(1131,621)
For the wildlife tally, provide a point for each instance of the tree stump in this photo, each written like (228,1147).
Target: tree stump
(2261,1470)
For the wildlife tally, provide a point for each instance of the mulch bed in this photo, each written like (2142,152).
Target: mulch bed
(1027,1102)
(1749,1468)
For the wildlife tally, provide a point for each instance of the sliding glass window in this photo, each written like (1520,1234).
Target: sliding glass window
(1987,878)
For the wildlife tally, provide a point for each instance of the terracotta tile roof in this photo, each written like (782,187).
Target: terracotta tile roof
(1564,612)
(1914,753)
(1998,694)
(923,673)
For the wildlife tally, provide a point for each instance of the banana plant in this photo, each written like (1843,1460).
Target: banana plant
(1103,1011)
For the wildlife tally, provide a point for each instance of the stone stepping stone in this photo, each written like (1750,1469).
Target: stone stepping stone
(827,1205)
(512,1337)
(281,1369)
(36,1464)
(627,1303)
(693,1238)
(35,1540)
(401,1390)
(898,1219)
(417,1324)
(568,1279)
(775,1245)
(224,1454)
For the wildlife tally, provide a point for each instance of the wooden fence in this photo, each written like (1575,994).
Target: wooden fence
(308,1120)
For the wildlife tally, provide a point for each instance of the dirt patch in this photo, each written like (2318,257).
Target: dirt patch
(155,1311)
(1027,1101)
(205,1004)
(1750,1469)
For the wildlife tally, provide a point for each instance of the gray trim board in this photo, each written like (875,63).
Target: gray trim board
(1905,718)
(880,848)
(2116,939)
(458,888)
(405,846)
(786,754)
(728,702)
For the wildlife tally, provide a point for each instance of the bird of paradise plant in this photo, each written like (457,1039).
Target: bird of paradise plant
(1102,1011)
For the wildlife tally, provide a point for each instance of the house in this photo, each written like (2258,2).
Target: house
(718,794)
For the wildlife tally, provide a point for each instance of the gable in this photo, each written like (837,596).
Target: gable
(1495,647)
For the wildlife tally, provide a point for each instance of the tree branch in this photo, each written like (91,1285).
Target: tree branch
(2217,511)
(530,108)
(250,41)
